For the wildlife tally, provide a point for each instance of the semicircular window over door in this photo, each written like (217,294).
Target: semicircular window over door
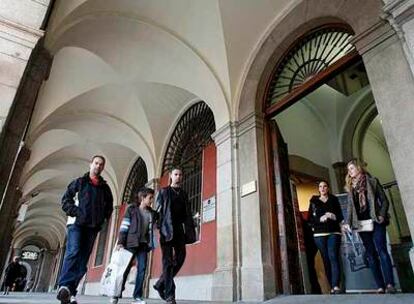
(309,56)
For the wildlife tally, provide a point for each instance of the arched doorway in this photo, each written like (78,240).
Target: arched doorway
(314,91)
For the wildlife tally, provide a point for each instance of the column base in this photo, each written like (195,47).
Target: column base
(258,283)
(224,285)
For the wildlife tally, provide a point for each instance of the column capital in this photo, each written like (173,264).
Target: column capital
(251,121)
(19,34)
(224,133)
(398,12)
(377,34)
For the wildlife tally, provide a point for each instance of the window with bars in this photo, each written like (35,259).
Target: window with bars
(185,150)
(310,55)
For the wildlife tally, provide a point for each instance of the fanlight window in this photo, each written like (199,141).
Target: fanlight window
(137,179)
(309,56)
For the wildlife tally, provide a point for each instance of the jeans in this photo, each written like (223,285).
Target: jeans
(375,243)
(329,248)
(141,254)
(173,257)
(79,244)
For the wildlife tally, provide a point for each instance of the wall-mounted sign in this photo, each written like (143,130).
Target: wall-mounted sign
(30,255)
(209,209)
(248,188)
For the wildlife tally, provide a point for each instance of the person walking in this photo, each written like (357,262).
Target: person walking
(368,214)
(13,273)
(325,217)
(136,235)
(177,229)
(88,204)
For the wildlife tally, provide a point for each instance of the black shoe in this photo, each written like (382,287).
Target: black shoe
(63,295)
(159,288)
(171,300)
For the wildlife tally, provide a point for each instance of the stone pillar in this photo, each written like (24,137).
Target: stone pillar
(226,285)
(391,77)
(12,155)
(16,43)
(153,184)
(257,270)
(9,205)
(340,173)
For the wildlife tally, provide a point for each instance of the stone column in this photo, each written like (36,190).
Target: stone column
(391,77)
(226,276)
(340,173)
(9,205)
(154,184)
(257,271)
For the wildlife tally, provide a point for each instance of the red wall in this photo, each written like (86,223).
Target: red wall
(95,272)
(201,256)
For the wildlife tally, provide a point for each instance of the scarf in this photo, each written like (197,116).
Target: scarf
(359,184)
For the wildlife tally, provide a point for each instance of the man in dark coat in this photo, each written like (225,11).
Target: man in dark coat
(176,227)
(88,204)
(13,273)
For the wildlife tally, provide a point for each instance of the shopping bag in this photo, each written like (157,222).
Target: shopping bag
(111,282)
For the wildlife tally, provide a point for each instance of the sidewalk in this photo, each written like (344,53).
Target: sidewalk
(50,298)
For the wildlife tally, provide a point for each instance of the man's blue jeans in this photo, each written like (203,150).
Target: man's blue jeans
(375,244)
(79,244)
(329,248)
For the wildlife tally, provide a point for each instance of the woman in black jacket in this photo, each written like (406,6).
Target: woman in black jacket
(325,216)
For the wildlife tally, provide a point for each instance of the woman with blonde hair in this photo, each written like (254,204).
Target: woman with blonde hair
(368,214)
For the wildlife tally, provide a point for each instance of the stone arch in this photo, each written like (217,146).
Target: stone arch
(357,16)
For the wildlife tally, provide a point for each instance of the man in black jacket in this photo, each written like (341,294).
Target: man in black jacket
(88,204)
(176,229)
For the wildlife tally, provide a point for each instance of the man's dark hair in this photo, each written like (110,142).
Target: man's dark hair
(99,156)
(143,193)
(176,168)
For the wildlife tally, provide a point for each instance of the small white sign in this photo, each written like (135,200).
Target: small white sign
(209,209)
(22,212)
(30,255)
(248,188)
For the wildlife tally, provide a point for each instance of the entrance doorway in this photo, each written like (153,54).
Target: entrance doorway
(324,121)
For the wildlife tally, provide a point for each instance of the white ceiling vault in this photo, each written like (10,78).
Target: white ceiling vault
(123,73)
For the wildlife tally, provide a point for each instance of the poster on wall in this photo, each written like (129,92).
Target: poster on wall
(209,209)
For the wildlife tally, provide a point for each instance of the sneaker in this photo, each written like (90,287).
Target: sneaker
(113,300)
(380,290)
(160,290)
(390,289)
(63,295)
(73,300)
(138,301)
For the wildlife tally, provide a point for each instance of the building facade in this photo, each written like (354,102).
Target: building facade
(257,100)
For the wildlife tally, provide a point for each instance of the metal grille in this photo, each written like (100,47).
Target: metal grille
(185,149)
(309,56)
(137,179)
(191,135)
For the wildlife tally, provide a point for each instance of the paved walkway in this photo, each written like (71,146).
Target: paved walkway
(49,298)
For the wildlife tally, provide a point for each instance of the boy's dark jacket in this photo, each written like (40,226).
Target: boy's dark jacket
(130,239)
(165,221)
(95,202)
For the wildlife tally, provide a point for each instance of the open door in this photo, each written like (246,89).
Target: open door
(286,239)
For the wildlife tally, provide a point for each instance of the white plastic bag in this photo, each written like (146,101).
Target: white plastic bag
(111,282)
